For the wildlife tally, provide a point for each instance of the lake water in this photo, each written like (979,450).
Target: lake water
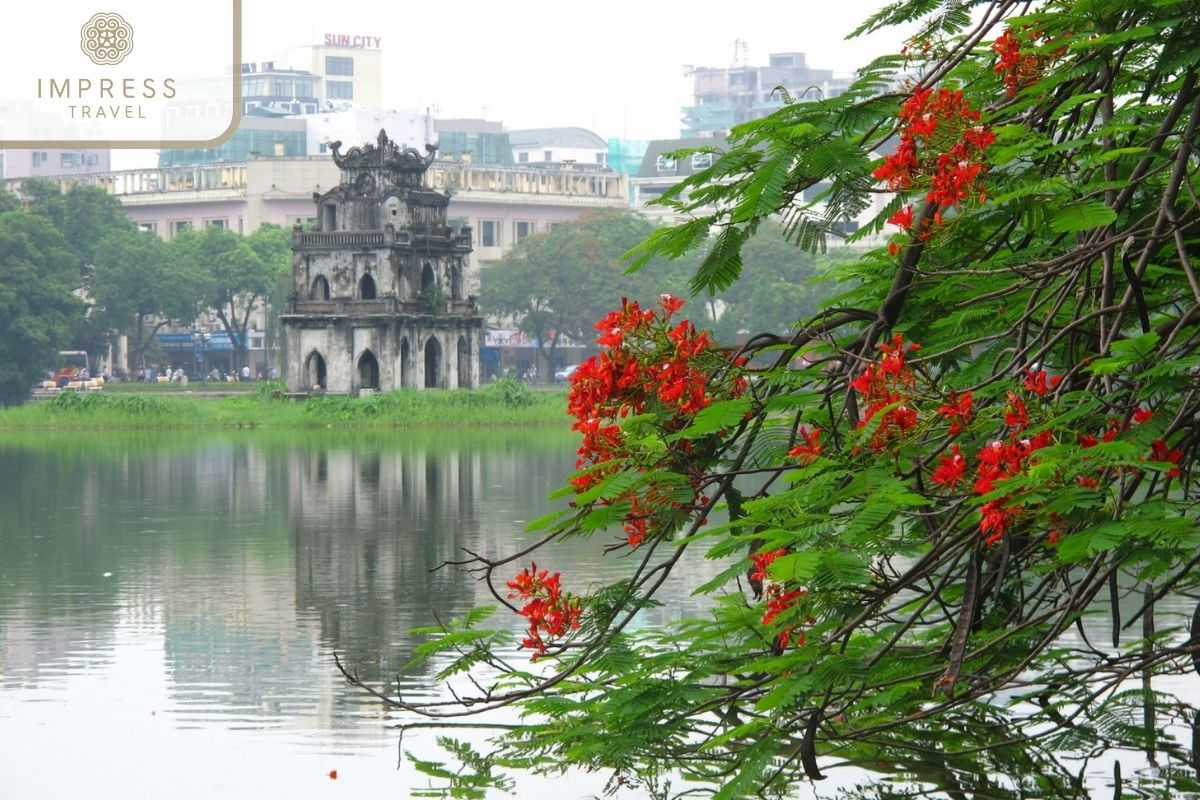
(170,605)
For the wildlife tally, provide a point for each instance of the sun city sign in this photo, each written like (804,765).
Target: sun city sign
(345,40)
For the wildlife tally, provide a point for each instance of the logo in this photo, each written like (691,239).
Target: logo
(106,39)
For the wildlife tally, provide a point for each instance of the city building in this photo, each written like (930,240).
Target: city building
(269,90)
(478,141)
(728,96)
(346,69)
(47,163)
(256,135)
(379,288)
(544,147)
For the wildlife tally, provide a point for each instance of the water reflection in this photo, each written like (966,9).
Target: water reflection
(178,589)
(182,598)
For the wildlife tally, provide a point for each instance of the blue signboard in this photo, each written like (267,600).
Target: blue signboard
(174,341)
(185,341)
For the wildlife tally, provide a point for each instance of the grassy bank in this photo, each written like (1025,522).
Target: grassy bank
(502,403)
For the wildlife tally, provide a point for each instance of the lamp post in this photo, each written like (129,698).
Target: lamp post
(198,350)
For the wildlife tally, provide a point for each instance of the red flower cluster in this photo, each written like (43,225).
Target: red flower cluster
(1019,68)
(998,461)
(763,560)
(779,601)
(886,385)
(950,469)
(648,365)
(1160,452)
(958,411)
(941,139)
(549,611)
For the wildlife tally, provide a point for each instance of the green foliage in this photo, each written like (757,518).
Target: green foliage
(138,286)
(963,632)
(120,407)
(560,282)
(37,306)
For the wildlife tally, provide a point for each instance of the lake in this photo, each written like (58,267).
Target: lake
(170,604)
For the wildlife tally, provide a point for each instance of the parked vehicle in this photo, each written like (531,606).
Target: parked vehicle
(75,364)
(565,373)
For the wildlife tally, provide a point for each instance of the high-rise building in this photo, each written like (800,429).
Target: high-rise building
(347,69)
(728,96)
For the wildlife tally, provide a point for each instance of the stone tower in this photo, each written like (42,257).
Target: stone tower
(378,298)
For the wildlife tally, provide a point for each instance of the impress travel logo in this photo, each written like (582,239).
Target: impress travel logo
(106,39)
(138,73)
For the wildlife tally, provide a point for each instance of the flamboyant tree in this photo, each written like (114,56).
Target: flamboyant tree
(955,505)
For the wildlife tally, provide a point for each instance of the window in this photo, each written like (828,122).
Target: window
(523,158)
(665,164)
(93,159)
(600,158)
(223,224)
(40,158)
(67,160)
(339,65)
(489,233)
(178,225)
(340,90)
(280,87)
(521,229)
(701,160)
(148,227)
(549,155)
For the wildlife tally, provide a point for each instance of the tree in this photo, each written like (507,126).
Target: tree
(8,201)
(84,214)
(273,244)
(236,277)
(949,524)
(36,301)
(139,285)
(779,285)
(560,282)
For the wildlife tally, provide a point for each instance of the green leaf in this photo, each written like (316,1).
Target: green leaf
(1082,217)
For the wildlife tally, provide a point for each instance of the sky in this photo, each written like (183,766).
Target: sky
(616,67)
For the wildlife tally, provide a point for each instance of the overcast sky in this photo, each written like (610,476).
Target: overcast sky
(615,67)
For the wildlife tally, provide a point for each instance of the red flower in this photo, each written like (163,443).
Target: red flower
(958,411)
(950,469)
(1141,415)
(333,774)
(762,560)
(996,521)
(779,602)
(1015,416)
(1036,382)
(902,219)
(549,612)
(669,304)
(810,448)
(1160,452)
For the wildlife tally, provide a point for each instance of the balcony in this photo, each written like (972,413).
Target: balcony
(344,307)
